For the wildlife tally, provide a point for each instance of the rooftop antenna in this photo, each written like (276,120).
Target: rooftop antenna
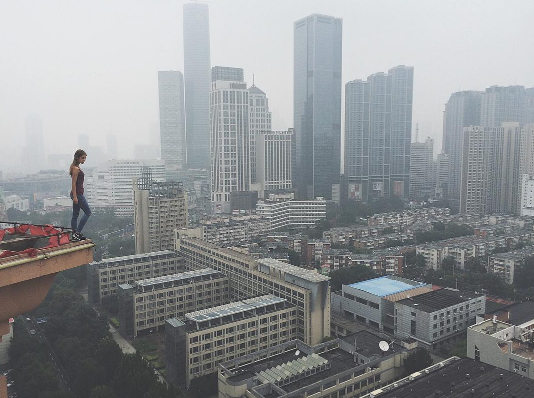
(417,132)
(253,85)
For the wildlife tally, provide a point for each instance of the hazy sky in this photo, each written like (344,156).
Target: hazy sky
(90,66)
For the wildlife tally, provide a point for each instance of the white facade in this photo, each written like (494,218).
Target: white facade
(442,175)
(112,185)
(16,202)
(527,195)
(230,141)
(259,122)
(292,213)
(58,201)
(273,160)
(421,161)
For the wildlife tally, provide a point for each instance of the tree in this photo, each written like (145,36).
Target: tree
(460,350)
(417,360)
(103,392)
(345,276)
(294,257)
(448,264)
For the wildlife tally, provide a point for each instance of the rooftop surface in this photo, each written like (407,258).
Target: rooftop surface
(519,313)
(386,285)
(367,344)
(460,378)
(183,276)
(306,274)
(438,299)
(137,257)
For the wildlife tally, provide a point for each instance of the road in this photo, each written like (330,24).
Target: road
(64,382)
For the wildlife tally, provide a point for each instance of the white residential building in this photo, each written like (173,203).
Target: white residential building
(16,202)
(292,213)
(230,141)
(421,162)
(527,195)
(259,122)
(272,160)
(112,185)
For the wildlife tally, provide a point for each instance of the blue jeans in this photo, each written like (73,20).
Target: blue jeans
(82,204)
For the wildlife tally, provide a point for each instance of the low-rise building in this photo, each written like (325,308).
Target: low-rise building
(147,304)
(292,213)
(372,301)
(103,277)
(58,201)
(505,264)
(206,338)
(346,367)
(503,345)
(438,317)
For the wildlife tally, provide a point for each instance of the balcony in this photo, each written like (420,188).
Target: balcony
(30,258)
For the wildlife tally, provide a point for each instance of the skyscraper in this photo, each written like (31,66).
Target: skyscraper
(421,168)
(227,74)
(442,175)
(506,104)
(259,121)
(33,155)
(378,127)
(230,141)
(272,160)
(462,110)
(172,120)
(317,105)
(197,84)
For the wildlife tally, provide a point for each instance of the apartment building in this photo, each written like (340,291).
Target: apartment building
(505,264)
(197,344)
(160,208)
(373,301)
(104,277)
(146,304)
(292,213)
(346,367)
(438,317)
(309,291)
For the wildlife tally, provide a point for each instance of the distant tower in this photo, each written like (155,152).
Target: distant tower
(33,157)
(317,105)
(197,84)
(172,120)
(111,146)
(259,121)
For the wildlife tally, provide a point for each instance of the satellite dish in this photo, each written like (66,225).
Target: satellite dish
(297,353)
(384,346)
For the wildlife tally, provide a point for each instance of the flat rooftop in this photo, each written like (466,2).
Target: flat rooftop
(459,379)
(180,278)
(367,344)
(305,274)
(137,257)
(386,285)
(518,313)
(438,300)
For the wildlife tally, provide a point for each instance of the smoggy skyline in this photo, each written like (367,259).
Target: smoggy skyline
(91,67)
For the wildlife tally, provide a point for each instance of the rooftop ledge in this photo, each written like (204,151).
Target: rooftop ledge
(30,258)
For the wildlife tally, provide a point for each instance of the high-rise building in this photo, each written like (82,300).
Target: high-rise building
(462,110)
(378,128)
(527,195)
(526,157)
(230,141)
(490,169)
(506,104)
(197,84)
(172,120)
(110,186)
(33,154)
(442,175)
(160,208)
(421,168)
(271,163)
(259,123)
(317,105)
(227,74)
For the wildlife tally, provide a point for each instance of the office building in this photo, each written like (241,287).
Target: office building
(421,169)
(378,128)
(455,377)
(292,213)
(490,169)
(259,123)
(172,120)
(103,277)
(227,74)
(372,301)
(347,367)
(438,317)
(503,345)
(271,163)
(505,264)
(197,69)
(145,305)
(110,186)
(317,105)
(307,290)
(197,344)
(230,141)
(160,208)
(462,110)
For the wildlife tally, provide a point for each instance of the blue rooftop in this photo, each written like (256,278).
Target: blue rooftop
(384,286)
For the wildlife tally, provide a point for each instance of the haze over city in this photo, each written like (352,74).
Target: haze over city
(90,67)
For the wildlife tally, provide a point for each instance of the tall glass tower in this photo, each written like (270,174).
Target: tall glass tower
(317,105)
(197,72)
